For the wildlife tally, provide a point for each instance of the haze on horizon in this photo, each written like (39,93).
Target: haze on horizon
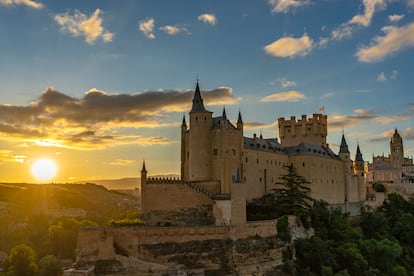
(99,86)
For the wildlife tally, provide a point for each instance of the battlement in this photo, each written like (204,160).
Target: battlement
(165,180)
(306,129)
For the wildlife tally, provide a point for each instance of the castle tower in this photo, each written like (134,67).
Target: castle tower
(358,163)
(225,183)
(240,122)
(344,150)
(143,187)
(344,155)
(183,148)
(199,151)
(397,150)
(312,130)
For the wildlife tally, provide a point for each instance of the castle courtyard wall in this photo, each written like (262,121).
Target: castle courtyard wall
(173,196)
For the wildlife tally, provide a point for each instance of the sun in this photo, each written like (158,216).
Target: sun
(44,169)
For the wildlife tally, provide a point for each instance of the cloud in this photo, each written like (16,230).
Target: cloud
(283,6)
(7,156)
(93,121)
(381,77)
(29,3)
(287,96)
(394,40)
(147,27)
(410,3)
(327,95)
(337,122)
(395,17)
(287,83)
(122,162)
(290,47)
(79,24)
(370,7)
(208,18)
(174,30)
(345,30)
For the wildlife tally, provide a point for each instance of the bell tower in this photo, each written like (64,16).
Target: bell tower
(397,150)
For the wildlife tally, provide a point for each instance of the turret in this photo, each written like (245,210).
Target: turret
(240,122)
(199,143)
(143,174)
(143,187)
(183,147)
(359,162)
(344,150)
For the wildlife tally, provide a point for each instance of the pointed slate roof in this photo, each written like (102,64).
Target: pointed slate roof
(344,147)
(197,101)
(239,119)
(184,124)
(143,167)
(224,116)
(358,156)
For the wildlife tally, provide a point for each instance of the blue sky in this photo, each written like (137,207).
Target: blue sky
(97,86)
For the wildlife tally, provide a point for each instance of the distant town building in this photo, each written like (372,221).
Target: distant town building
(394,168)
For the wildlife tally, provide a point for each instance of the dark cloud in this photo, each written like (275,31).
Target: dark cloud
(89,119)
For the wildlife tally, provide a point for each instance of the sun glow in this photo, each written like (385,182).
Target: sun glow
(44,169)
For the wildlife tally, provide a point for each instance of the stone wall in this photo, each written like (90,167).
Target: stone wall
(262,228)
(172,196)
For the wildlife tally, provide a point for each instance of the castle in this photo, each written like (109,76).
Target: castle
(198,224)
(221,169)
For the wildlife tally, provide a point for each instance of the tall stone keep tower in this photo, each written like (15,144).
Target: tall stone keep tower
(199,140)
(312,130)
(397,150)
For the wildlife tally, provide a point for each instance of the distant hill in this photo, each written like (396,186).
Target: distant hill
(99,202)
(129,183)
(119,184)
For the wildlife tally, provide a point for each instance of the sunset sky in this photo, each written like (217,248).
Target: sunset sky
(97,86)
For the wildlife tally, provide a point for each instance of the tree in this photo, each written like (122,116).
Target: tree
(21,261)
(293,193)
(381,253)
(50,266)
(291,197)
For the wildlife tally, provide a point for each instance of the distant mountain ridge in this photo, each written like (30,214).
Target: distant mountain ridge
(127,183)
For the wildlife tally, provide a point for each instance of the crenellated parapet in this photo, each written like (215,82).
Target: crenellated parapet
(294,131)
(165,180)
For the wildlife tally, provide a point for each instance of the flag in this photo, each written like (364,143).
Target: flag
(322,108)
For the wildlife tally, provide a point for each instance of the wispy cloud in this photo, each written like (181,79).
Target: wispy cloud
(287,96)
(287,83)
(147,27)
(59,120)
(174,30)
(208,18)
(290,47)
(394,40)
(327,95)
(337,122)
(7,156)
(360,20)
(28,3)
(283,6)
(381,77)
(79,24)
(395,17)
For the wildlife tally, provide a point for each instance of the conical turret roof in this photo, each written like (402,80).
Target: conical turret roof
(344,147)
(198,105)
